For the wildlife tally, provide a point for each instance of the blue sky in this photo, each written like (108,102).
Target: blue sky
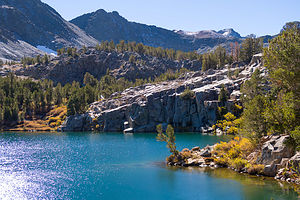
(260,17)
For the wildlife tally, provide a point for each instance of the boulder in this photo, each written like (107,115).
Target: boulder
(275,149)
(270,170)
(196,148)
(274,154)
(295,160)
(128,131)
(185,150)
(195,162)
(205,152)
(77,123)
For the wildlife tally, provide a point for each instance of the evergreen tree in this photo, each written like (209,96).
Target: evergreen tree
(132,59)
(168,137)
(275,110)
(253,87)
(254,124)
(282,59)
(250,47)
(38,59)
(223,95)
(90,80)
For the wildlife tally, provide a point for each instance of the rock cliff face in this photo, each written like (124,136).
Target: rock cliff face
(140,109)
(65,69)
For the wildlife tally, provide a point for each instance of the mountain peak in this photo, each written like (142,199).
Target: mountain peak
(225,33)
(229,32)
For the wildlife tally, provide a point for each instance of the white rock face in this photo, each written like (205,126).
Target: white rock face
(18,49)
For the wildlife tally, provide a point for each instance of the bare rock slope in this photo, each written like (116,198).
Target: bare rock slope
(37,24)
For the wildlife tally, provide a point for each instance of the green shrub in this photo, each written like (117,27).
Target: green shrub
(295,135)
(187,94)
(222,161)
(238,163)
(255,169)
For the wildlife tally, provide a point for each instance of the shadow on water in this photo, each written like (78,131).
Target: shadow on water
(254,187)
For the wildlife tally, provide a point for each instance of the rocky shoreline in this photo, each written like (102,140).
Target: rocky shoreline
(273,159)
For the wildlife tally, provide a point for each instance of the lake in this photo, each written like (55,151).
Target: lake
(117,166)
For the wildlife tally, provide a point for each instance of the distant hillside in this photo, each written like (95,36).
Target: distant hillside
(104,25)
(37,24)
(130,65)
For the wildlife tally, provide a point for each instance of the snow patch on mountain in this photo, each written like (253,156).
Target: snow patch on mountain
(225,33)
(46,50)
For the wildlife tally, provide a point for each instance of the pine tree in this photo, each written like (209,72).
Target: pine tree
(223,95)
(132,59)
(250,47)
(168,137)
(45,59)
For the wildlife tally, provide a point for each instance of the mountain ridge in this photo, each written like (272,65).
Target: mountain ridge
(29,24)
(104,25)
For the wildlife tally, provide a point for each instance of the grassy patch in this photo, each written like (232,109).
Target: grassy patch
(53,119)
(187,94)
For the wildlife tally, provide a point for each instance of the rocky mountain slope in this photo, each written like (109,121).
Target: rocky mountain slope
(14,49)
(225,33)
(141,108)
(65,69)
(104,25)
(37,24)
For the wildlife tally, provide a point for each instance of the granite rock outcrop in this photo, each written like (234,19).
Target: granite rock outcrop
(140,109)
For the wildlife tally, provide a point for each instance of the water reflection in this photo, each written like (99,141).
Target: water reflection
(254,187)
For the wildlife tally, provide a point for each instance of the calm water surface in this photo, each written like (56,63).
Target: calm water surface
(117,166)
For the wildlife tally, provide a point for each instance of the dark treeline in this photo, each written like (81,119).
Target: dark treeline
(22,99)
(37,60)
(215,59)
(7,63)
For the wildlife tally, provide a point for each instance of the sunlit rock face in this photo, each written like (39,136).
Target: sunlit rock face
(141,108)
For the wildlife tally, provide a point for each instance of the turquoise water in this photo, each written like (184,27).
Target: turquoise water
(116,166)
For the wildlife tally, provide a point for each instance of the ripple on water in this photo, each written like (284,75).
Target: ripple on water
(113,166)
